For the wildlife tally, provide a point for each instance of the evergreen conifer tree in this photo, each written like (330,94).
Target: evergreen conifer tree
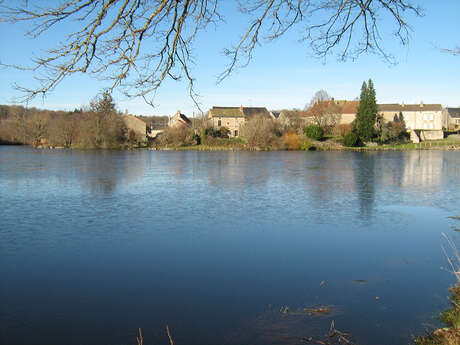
(367,111)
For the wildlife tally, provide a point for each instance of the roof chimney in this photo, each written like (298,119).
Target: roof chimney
(241,108)
(421,104)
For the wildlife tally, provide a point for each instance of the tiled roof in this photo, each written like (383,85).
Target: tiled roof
(453,112)
(129,116)
(236,111)
(349,107)
(253,111)
(409,107)
(225,112)
(180,117)
(332,106)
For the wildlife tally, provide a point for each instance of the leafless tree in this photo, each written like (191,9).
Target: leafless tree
(63,130)
(324,111)
(260,132)
(137,44)
(319,96)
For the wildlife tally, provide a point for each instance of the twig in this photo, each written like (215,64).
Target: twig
(342,336)
(169,335)
(454,265)
(140,339)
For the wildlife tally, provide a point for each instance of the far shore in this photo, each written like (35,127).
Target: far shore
(445,145)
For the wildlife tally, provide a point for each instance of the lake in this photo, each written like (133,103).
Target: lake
(96,244)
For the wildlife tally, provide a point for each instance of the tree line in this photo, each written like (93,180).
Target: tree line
(99,125)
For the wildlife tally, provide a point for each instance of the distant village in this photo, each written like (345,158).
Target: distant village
(325,124)
(422,121)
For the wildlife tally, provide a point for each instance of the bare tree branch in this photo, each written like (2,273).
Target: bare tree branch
(455,51)
(137,44)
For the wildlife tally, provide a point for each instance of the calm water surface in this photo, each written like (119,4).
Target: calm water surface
(94,245)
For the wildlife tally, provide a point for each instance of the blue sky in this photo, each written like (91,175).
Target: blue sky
(283,74)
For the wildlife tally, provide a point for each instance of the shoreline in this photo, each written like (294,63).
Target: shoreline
(447,146)
(316,146)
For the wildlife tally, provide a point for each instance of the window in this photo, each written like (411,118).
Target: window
(236,133)
(431,117)
(425,116)
(219,123)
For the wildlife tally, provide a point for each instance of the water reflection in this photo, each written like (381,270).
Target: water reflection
(101,173)
(365,182)
(423,169)
(208,240)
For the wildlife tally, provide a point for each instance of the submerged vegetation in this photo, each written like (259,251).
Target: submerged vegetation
(449,335)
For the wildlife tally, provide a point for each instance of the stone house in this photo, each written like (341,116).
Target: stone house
(138,126)
(422,121)
(179,119)
(233,118)
(348,110)
(297,118)
(452,117)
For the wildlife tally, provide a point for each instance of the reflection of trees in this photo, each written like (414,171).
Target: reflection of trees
(329,176)
(238,170)
(364,169)
(102,171)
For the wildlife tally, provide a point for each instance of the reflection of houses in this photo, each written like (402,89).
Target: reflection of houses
(423,169)
(452,118)
(136,125)
(422,121)
(233,118)
(178,120)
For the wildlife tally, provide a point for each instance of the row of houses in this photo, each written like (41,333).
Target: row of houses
(422,121)
(143,131)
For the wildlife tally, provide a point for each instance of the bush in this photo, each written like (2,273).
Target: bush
(259,132)
(342,129)
(306,145)
(350,140)
(392,132)
(177,136)
(314,131)
(292,140)
(223,132)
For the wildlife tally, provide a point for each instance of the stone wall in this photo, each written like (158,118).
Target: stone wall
(231,123)
(137,125)
(431,135)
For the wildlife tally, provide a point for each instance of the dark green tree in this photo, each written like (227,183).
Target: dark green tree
(103,104)
(367,111)
(106,128)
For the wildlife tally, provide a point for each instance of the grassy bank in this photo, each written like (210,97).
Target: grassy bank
(449,335)
(426,145)
(331,144)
